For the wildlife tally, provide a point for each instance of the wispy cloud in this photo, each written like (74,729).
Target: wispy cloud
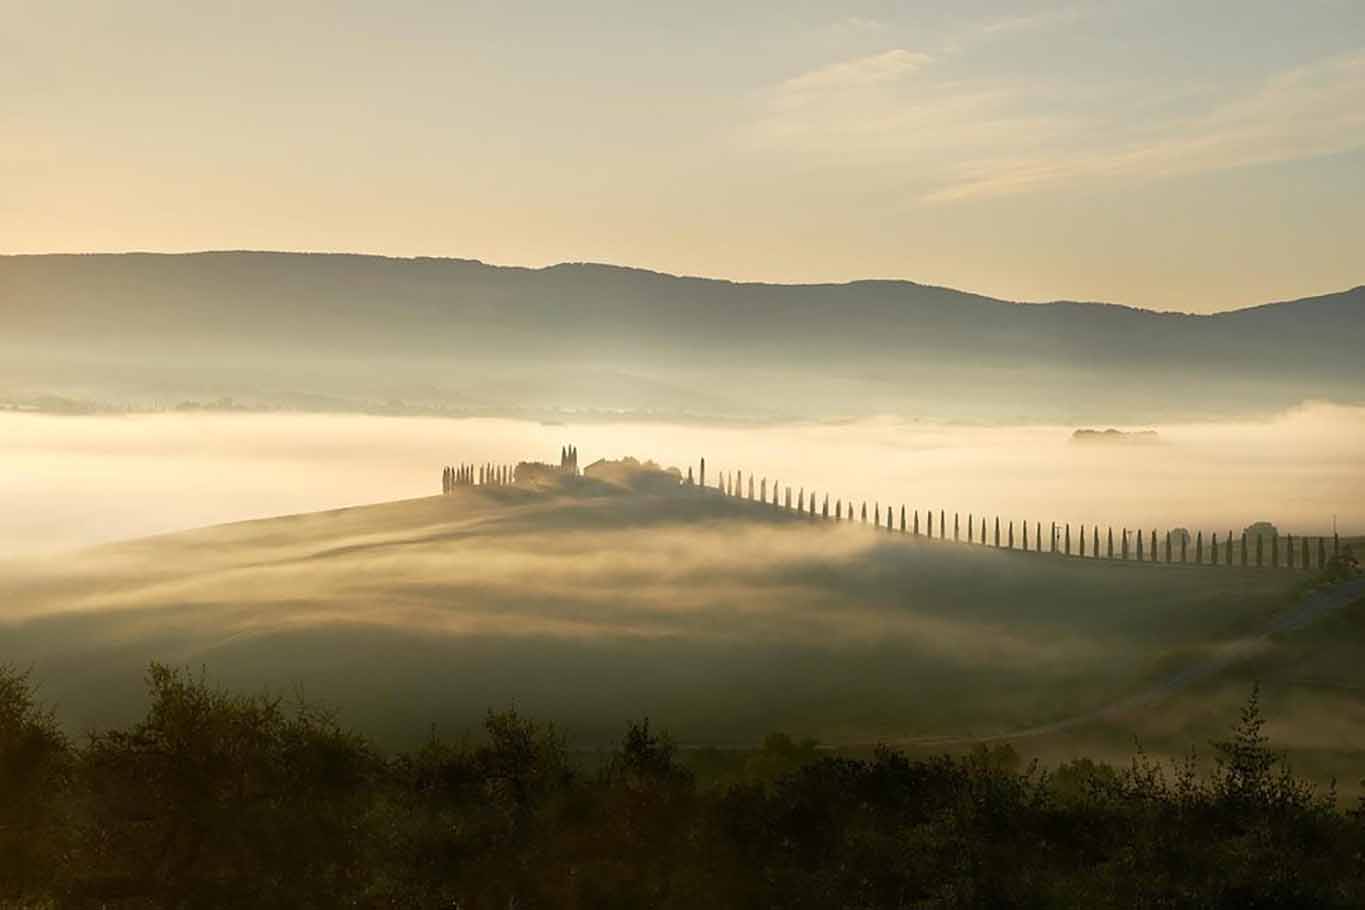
(861,72)
(966,139)
(1312,110)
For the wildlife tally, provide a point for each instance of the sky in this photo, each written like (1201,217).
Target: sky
(1186,155)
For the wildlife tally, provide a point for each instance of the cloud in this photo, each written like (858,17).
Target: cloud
(1312,110)
(860,72)
(958,139)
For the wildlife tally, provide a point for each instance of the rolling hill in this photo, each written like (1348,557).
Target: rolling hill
(344,331)
(724,619)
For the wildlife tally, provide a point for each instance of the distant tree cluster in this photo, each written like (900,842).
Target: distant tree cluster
(218,800)
(495,475)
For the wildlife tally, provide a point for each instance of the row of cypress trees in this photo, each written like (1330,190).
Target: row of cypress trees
(1138,546)
(468,475)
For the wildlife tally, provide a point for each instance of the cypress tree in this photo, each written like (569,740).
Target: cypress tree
(1038,536)
(787,498)
(1213,548)
(689,475)
(1259,549)
(942,525)
(902,519)
(1289,551)
(1303,563)
(801,500)
(916,522)
(1011,538)
(1199,548)
(1227,548)
(1153,557)
(1111,541)
(1168,546)
(864,512)
(1275,551)
(1023,526)
(1139,545)
(1244,549)
(955,535)
(971,531)
(1082,541)
(997,532)
(1068,539)
(929,519)
(1096,548)
(702,479)
(751,488)
(838,510)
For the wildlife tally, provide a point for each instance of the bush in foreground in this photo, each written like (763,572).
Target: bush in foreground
(220,800)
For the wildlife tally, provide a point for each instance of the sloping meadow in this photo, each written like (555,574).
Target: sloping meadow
(724,619)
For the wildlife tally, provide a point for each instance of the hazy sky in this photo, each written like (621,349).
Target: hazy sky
(1169,154)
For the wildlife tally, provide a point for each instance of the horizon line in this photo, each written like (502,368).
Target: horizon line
(665,274)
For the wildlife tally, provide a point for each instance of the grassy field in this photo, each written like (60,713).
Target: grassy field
(721,619)
(1312,688)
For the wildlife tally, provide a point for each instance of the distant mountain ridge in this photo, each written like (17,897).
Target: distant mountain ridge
(454,329)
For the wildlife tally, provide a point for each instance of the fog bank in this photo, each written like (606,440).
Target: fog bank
(73,481)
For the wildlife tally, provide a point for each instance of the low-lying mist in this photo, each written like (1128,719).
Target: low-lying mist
(725,618)
(72,481)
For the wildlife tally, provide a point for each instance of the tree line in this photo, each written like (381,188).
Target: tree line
(214,799)
(1259,545)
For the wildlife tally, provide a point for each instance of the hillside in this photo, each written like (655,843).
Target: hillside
(726,617)
(338,331)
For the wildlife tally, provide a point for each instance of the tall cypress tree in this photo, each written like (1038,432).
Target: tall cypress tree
(838,510)
(1199,548)
(1139,545)
(1304,562)
(1038,536)
(916,518)
(864,512)
(1153,556)
(902,519)
(1111,542)
(1289,551)
(1244,549)
(1023,526)
(955,534)
(1082,541)
(997,532)
(1011,537)
(1213,548)
(1275,551)
(702,476)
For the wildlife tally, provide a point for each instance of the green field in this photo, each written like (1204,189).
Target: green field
(722,619)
